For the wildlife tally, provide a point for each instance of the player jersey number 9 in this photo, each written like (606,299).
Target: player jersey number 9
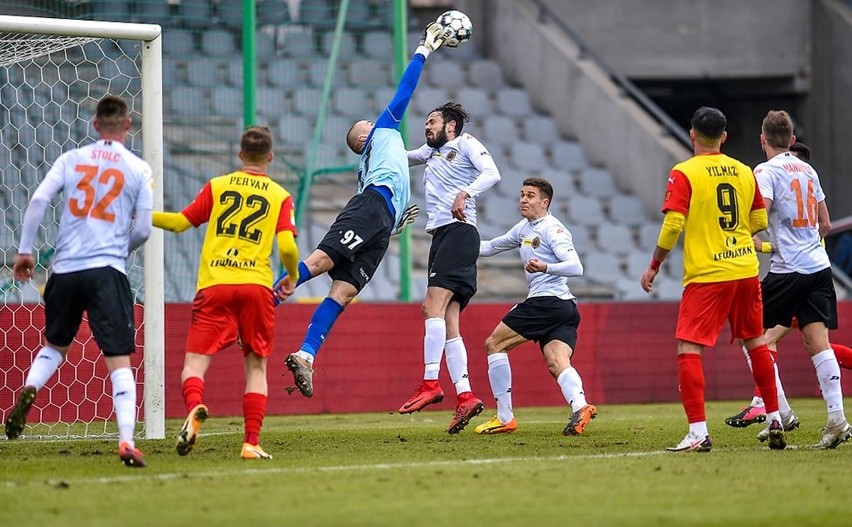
(229,225)
(87,206)
(726,200)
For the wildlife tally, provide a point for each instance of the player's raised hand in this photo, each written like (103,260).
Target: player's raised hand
(23,267)
(408,217)
(434,36)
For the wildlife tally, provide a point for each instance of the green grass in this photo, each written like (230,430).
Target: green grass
(380,469)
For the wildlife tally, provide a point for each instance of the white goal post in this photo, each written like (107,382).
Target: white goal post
(43,44)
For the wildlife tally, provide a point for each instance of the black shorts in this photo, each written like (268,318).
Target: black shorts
(104,294)
(808,297)
(452,260)
(545,318)
(359,237)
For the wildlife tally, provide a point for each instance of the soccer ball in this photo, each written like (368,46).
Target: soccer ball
(460,24)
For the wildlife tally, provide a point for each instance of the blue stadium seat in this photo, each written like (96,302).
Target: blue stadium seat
(513,102)
(369,73)
(499,130)
(597,182)
(485,74)
(295,131)
(381,98)
(300,44)
(528,157)
(568,155)
(348,45)
(584,210)
(205,72)
(273,12)
(230,15)
(218,43)
(425,99)
(195,14)
(601,268)
(350,102)
(615,239)
(316,13)
(110,10)
(446,74)
(285,73)
(378,45)
(317,70)
(539,129)
(306,101)
(179,43)
(265,47)
(271,102)
(227,101)
(155,12)
(476,101)
(627,210)
(648,235)
(188,101)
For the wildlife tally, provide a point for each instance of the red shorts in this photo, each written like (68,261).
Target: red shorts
(704,308)
(222,313)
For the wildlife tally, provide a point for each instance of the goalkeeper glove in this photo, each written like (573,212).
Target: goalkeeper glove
(434,36)
(408,216)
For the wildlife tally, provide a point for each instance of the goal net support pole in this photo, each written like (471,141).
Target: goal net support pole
(152,140)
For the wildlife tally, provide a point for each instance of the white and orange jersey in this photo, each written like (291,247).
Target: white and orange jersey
(103,184)
(794,188)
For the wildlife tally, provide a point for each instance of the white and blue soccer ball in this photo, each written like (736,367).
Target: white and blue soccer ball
(460,24)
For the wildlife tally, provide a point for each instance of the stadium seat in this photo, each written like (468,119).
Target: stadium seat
(476,101)
(218,43)
(273,12)
(226,101)
(204,72)
(368,73)
(584,210)
(155,12)
(271,102)
(179,43)
(637,262)
(195,14)
(539,129)
(378,45)
(381,98)
(360,15)
(348,45)
(316,13)
(300,44)
(568,155)
(110,10)
(601,268)
(615,239)
(580,238)
(446,74)
(674,264)
(597,182)
(627,210)
(630,290)
(667,288)
(528,157)
(499,210)
(306,101)
(513,102)
(188,101)
(295,131)
(499,130)
(426,99)
(230,15)
(350,102)
(317,71)
(285,73)
(648,234)
(334,129)
(265,47)
(485,74)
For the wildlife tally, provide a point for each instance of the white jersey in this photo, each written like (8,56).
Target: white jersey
(103,184)
(794,188)
(461,164)
(547,240)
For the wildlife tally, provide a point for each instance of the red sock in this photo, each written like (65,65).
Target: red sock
(774,361)
(254,408)
(193,392)
(690,378)
(843,354)
(763,371)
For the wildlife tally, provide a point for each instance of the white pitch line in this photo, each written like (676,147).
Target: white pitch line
(337,468)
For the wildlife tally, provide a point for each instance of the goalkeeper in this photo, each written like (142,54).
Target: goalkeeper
(359,237)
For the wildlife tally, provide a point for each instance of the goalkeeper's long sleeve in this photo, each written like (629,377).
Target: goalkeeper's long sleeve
(392,115)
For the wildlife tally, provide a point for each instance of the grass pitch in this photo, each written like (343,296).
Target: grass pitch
(380,469)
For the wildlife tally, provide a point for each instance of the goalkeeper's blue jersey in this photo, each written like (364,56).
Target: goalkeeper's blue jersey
(384,161)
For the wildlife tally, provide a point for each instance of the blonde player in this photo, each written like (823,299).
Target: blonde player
(246,211)
(107,214)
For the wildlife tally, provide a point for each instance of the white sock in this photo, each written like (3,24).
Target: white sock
(124,402)
(698,429)
(500,377)
(828,373)
(305,355)
(757,401)
(572,388)
(783,405)
(433,347)
(43,367)
(456,355)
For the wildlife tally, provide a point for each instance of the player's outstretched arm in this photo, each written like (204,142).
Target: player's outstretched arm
(171,221)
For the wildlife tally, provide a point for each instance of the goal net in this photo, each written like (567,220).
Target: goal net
(52,73)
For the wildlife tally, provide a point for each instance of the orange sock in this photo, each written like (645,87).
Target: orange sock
(254,409)
(193,392)
(690,378)
(843,354)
